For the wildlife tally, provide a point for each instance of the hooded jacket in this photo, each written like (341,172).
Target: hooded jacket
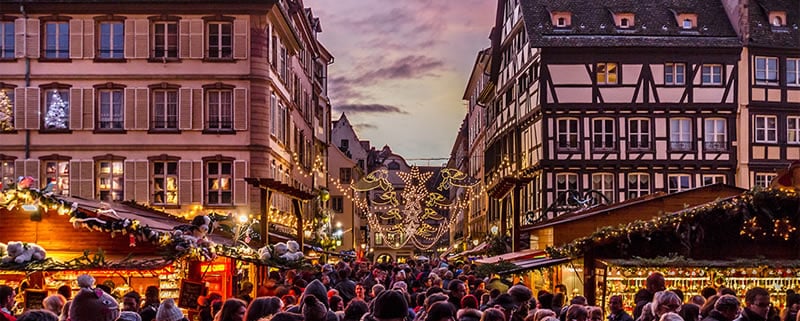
(318,290)
(468,314)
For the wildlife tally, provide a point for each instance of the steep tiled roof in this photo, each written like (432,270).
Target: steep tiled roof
(655,24)
(764,34)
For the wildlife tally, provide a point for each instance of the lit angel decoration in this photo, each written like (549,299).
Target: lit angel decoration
(416,210)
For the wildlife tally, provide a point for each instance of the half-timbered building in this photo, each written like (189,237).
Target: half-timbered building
(605,101)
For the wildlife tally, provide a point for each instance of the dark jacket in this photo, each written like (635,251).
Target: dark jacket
(317,289)
(621,316)
(715,315)
(749,315)
(468,314)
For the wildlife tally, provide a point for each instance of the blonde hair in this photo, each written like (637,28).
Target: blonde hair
(670,316)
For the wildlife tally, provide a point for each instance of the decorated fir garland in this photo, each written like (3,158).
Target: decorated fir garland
(760,214)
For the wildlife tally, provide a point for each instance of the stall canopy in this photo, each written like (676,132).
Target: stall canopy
(513,257)
(535,263)
(481,247)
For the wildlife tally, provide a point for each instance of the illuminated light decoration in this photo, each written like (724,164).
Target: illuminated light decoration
(412,207)
(6,113)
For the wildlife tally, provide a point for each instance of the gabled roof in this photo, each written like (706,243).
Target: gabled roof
(656,26)
(764,34)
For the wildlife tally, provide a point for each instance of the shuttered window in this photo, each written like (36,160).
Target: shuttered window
(220,109)
(56,43)
(112,40)
(165,183)
(56,172)
(111,110)
(165,109)
(219,186)
(6,39)
(165,39)
(220,40)
(7,177)
(110,180)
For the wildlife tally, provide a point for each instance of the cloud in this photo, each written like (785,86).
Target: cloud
(364,126)
(413,66)
(369,109)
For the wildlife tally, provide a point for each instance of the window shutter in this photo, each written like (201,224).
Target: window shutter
(142,181)
(88,38)
(239,184)
(87,179)
(185,108)
(183,40)
(185,182)
(142,110)
(196,41)
(88,108)
(130,39)
(74,178)
(76,39)
(198,108)
(130,108)
(240,27)
(19,108)
(32,38)
(197,182)
(32,170)
(19,38)
(19,168)
(75,109)
(130,182)
(240,109)
(141,34)
(32,108)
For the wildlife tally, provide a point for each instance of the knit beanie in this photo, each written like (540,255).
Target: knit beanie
(93,305)
(313,309)
(520,293)
(390,304)
(167,311)
(129,316)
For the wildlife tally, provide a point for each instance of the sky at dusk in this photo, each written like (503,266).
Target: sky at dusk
(401,67)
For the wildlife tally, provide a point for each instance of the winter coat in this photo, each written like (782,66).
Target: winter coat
(468,314)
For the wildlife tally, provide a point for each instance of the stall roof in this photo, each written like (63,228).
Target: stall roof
(535,263)
(684,262)
(473,250)
(512,257)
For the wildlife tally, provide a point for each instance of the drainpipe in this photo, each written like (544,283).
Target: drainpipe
(27,83)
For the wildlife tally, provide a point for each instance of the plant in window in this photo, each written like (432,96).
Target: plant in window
(6,113)
(56,116)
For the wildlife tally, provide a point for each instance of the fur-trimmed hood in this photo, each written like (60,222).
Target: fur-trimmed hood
(469,314)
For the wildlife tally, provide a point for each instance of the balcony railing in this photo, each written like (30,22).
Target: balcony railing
(639,144)
(715,146)
(219,124)
(680,146)
(109,124)
(165,124)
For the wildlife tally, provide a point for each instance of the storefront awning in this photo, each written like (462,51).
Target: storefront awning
(537,263)
(473,250)
(684,262)
(514,256)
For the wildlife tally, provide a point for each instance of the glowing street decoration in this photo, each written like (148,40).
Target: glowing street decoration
(412,209)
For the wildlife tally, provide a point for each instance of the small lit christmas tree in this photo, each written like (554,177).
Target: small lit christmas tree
(56,116)
(6,113)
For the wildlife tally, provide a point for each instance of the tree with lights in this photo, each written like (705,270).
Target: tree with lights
(56,116)
(6,112)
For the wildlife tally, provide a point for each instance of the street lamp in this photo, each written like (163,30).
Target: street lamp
(494,229)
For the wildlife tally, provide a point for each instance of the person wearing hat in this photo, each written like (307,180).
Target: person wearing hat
(390,305)
(93,305)
(168,311)
(129,316)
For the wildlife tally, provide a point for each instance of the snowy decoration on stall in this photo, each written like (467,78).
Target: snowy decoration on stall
(6,113)
(414,213)
(281,254)
(57,112)
(21,252)
(3,251)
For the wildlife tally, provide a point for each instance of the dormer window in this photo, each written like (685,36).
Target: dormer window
(623,20)
(561,19)
(777,18)
(687,21)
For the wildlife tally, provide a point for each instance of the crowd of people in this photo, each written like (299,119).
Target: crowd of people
(402,292)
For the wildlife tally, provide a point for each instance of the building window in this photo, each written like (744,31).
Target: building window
(777,21)
(56,109)
(6,39)
(764,179)
(687,24)
(56,40)
(713,179)
(110,180)
(220,109)
(766,129)
(712,74)
(220,39)
(6,109)
(603,135)
(112,39)
(680,134)
(639,134)
(767,70)
(678,182)
(337,204)
(56,172)
(568,133)
(345,175)
(561,22)
(604,184)
(218,177)
(165,109)
(638,185)
(565,182)
(165,39)
(716,134)
(111,111)
(793,71)
(793,130)
(606,73)
(624,23)
(344,145)
(165,183)
(674,73)
(7,177)
(283,67)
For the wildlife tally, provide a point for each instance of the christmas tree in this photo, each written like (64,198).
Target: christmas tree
(6,113)
(56,116)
